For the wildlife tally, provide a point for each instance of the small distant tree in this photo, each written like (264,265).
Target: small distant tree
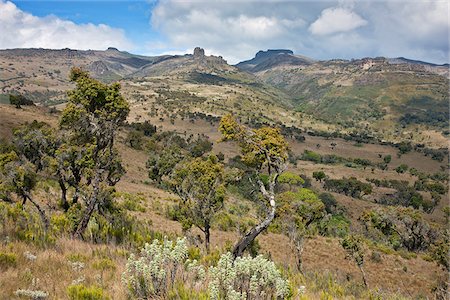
(200,184)
(329,201)
(401,169)
(19,100)
(319,175)
(387,159)
(441,249)
(264,151)
(135,139)
(298,211)
(353,245)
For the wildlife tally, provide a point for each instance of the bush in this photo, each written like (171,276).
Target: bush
(348,186)
(19,100)
(246,278)
(7,260)
(81,292)
(401,169)
(135,139)
(153,274)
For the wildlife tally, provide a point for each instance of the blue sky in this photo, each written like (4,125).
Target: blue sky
(234,29)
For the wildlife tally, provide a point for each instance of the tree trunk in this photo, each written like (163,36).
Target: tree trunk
(90,209)
(299,252)
(62,186)
(207,236)
(252,234)
(41,211)
(363,276)
(75,195)
(255,231)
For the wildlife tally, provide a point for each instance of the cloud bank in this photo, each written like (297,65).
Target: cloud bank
(20,29)
(319,29)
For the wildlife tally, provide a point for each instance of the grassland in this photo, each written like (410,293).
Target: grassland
(327,272)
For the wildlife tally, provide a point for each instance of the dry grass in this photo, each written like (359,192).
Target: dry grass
(54,269)
(412,277)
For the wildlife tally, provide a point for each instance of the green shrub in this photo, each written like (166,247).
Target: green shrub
(7,260)
(181,292)
(81,292)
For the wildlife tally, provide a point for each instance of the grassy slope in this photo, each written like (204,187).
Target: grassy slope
(412,276)
(375,98)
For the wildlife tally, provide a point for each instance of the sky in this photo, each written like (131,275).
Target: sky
(236,30)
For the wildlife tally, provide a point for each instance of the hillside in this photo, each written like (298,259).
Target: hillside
(326,268)
(391,98)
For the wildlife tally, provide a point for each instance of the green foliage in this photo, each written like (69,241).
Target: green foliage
(199,183)
(200,146)
(311,156)
(19,100)
(387,158)
(258,146)
(404,147)
(246,278)
(440,251)
(353,245)
(399,227)
(181,292)
(135,139)
(162,164)
(131,202)
(408,196)
(401,169)
(82,292)
(146,128)
(319,175)
(20,223)
(7,260)
(329,201)
(291,179)
(348,186)
(334,225)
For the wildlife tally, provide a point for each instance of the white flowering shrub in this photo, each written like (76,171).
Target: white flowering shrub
(160,263)
(32,294)
(246,278)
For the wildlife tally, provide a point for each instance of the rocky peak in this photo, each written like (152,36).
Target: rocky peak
(271,52)
(199,53)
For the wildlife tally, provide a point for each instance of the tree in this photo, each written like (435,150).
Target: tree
(297,212)
(19,100)
(90,120)
(387,159)
(135,139)
(264,150)
(401,169)
(399,227)
(353,245)
(19,177)
(200,184)
(319,175)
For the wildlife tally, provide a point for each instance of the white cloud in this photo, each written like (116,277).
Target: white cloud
(236,30)
(20,29)
(337,19)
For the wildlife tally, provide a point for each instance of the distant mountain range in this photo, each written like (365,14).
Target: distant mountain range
(382,94)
